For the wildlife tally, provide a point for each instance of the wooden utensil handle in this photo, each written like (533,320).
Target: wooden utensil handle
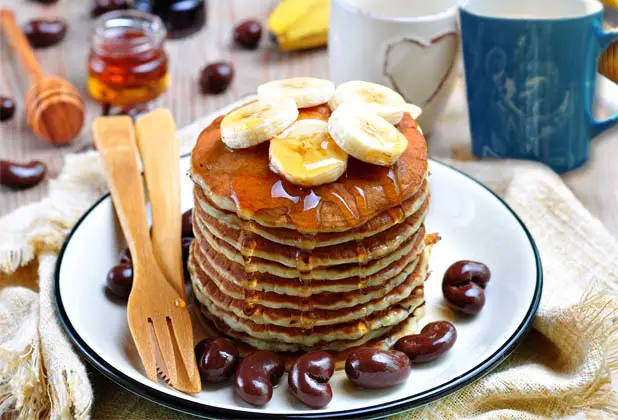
(158,145)
(20,45)
(115,140)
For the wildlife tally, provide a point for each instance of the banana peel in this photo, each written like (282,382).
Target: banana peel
(300,24)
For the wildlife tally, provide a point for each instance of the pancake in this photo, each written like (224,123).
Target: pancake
(307,316)
(209,261)
(361,291)
(254,264)
(241,182)
(279,267)
(383,338)
(361,251)
(285,236)
(309,337)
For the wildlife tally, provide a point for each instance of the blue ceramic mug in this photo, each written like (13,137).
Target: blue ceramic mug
(531,67)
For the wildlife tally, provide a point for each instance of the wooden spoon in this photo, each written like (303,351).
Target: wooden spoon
(54,107)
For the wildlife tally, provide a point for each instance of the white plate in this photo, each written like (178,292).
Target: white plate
(474,224)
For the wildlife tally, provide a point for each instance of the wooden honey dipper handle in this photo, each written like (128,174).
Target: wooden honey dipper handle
(20,45)
(54,108)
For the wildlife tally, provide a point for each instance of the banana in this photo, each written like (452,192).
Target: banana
(375,98)
(300,24)
(306,155)
(306,91)
(257,122)
(365,135)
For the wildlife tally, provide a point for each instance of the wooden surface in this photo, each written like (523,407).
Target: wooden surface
(187,57)
(595,184)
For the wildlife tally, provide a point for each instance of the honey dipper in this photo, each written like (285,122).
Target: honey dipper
(54,107)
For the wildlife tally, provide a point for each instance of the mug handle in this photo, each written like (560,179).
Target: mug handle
(604,40)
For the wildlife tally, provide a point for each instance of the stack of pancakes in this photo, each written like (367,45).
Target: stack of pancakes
(289,269)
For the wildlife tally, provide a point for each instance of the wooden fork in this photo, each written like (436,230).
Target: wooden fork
(154,306)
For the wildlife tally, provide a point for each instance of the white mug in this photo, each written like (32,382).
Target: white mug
(410,46)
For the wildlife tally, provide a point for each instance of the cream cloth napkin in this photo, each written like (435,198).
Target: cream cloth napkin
(563,367)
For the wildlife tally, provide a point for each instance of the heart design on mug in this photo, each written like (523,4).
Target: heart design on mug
(399,65)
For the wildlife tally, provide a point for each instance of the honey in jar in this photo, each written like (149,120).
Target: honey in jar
(127,63)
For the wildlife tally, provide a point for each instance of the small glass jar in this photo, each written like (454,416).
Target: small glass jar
(127,63)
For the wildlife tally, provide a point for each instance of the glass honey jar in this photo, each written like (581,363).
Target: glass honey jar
(127,63)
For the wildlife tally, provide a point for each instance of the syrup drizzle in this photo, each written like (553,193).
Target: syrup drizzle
(304,263)
(392,188)
(311,201)
(398,214)
(278,191)
(309,239)
(247,250)
(340,196)
(244,177)
(361,200)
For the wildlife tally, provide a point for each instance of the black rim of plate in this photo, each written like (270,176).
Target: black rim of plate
(380,410)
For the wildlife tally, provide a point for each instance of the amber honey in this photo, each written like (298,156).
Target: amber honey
(127,63)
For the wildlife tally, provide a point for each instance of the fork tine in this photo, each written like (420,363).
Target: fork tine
(180,324)
(143,339)
(166,347)
(163,376)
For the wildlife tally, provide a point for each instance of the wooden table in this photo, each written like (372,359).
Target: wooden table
(187,58)
(595,184)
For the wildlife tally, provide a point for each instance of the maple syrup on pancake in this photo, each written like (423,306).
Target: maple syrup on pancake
(247,250)
(254,187)
(397,213)
(304,263)
(247,180)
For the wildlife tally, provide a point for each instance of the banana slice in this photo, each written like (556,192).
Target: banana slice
(257,122)
(306,155)
(365,135)
(375,98)
(306,91)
